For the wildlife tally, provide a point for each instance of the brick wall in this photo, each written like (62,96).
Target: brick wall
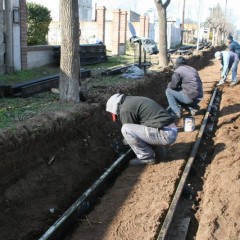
(114,33)
(23,34)
(101,18)
(123,30)
(109,26)
(2,44)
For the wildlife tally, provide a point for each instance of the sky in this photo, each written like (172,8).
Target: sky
(175,8)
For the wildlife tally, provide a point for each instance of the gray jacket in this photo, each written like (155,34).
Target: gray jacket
(186,79)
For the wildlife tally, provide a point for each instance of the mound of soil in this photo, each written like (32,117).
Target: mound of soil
(49,161)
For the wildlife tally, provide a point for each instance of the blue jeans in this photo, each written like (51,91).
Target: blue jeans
(175,98)
(144,139)
(234,71)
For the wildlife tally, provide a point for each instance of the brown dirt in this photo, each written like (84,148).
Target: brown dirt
(220,206)
(50,160)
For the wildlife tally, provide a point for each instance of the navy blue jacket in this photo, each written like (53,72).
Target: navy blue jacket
(234,47)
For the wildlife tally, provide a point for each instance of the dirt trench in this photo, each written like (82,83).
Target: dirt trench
(49,161)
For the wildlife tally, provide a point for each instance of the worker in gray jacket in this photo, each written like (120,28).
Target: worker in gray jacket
(145,125)
(184,90)
(229,61)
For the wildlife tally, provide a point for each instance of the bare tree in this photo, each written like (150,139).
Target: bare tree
(230,29)
(191,28)
(217,22)
(162,19)
(70,59)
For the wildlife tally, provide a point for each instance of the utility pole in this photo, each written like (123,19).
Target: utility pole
(226,8)
(199,22)
(224,33)
(230,14)
(183,16)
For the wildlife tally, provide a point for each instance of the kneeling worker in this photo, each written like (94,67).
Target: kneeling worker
(185,89)
(145,125)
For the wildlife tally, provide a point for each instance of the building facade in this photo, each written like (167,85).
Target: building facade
(13,35)
(85,10)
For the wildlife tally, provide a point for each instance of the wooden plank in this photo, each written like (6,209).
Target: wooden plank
(30,87)
(85,73)
(89,53)
(16,87)
(89,61)
(38,87)
(5,91)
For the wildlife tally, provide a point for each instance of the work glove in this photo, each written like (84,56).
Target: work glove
(223,78)
(124,142)
(221,82)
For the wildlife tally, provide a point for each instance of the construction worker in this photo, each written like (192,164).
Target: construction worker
(233,46)
(229,61)
(184,90)
(146,126)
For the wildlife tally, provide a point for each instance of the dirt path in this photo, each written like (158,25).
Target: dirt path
(219,214)
(138,200)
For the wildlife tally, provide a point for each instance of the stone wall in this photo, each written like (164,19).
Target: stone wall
(23,34)
(38,56)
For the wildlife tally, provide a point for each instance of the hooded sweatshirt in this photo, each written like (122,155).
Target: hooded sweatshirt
(186,79)
(113,103)
(139,110)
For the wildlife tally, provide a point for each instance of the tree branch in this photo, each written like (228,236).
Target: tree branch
(166,3)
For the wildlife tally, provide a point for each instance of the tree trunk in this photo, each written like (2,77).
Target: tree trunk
(162,19)
(70,59)
(213,37)
(217,37)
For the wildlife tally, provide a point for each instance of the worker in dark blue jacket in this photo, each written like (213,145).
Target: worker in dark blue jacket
(233,46)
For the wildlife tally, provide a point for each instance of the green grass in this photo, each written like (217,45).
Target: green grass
(16,110)
(21,76)
(114,61)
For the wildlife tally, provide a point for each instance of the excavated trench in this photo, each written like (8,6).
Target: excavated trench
(49,161)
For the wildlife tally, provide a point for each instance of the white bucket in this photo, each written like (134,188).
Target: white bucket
(189,124)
